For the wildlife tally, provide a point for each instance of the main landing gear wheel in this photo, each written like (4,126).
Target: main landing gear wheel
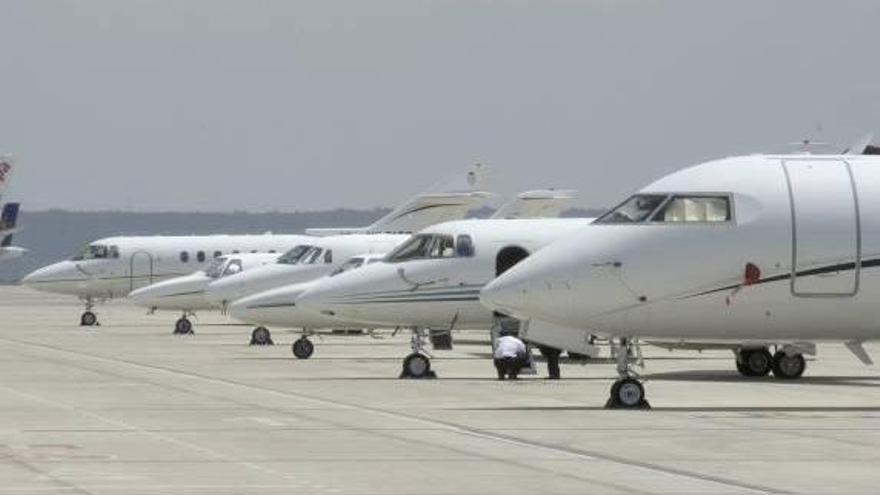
(261,336)
(417,365)
(754,362)
(627,393)
(88,319)
(788,366)
(183,327)
(303,348)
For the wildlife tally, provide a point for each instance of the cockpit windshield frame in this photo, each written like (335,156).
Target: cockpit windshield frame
(96,252)
(612,217)
(294,255)
(424,246)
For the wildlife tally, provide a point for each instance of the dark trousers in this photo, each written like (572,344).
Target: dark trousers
(508,367)
(551,354)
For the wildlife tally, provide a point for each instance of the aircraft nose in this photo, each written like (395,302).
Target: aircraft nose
(52,277)
(269,307)
(533,288)
(508,294)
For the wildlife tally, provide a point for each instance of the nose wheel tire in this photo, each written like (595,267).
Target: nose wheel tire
(303,348)
(261,336)
(627,393)
(788,366)
(183,327)
(88,319)
(417,365)
(754,362)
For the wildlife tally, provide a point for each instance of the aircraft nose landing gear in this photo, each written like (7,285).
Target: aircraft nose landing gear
(627,392)
(89,318)
(183,326)
(261,336)
(417,364)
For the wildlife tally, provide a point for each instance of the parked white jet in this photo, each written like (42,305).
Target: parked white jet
(308,261)
(187,293)
(748,252)
(431,282)
(115,266)
(278,307)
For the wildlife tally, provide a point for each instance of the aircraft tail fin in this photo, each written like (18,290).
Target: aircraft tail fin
(540,203)
(424,210)
(6,167)
(8,222)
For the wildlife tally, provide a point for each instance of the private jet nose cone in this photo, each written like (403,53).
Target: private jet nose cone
(526,290)
(59,277)
(319,300)
(268,308)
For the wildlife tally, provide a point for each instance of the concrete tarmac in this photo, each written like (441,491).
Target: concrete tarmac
(129,408)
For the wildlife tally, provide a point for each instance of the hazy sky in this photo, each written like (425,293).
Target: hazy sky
(221,105)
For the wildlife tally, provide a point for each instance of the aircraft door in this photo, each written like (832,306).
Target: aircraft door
(140,270)
(826,235)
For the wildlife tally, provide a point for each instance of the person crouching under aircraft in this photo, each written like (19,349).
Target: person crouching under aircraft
(510,355)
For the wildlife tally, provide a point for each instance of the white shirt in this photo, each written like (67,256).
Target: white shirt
(509,346)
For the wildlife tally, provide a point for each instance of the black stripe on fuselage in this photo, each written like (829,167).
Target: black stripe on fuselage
(837,267)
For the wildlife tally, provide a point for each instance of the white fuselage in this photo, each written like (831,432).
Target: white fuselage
(115,266)
(797,259)
(187,293)
(435,291)
(334,251)
(278,307)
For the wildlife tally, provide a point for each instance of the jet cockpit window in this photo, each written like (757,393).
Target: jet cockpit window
(293,256)
(636,209)
(351,264)
(464,246)
(233,267)
(422,246)
(215,267)
(311,256)
(114,251)
(704,209)
(92,252)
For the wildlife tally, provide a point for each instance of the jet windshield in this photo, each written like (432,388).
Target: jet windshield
(316,255)
(671,208)
(96,252)
(293,256)
(422,246)
(215,267)
(351,264)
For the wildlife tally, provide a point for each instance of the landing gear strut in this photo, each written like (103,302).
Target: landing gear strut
(89,318)
(627,392)
(418,364)
(754,362)
(261,336)
(183,326)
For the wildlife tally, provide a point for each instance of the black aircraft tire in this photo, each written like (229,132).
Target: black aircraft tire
(183,327)
(416,365)
(788,366)
(261,336)
(88,319)
(303,348)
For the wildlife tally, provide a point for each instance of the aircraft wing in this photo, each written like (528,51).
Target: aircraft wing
(540,203)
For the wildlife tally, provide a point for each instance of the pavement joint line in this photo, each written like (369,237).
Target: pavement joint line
(370,431)
(132,428)
(474,432)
